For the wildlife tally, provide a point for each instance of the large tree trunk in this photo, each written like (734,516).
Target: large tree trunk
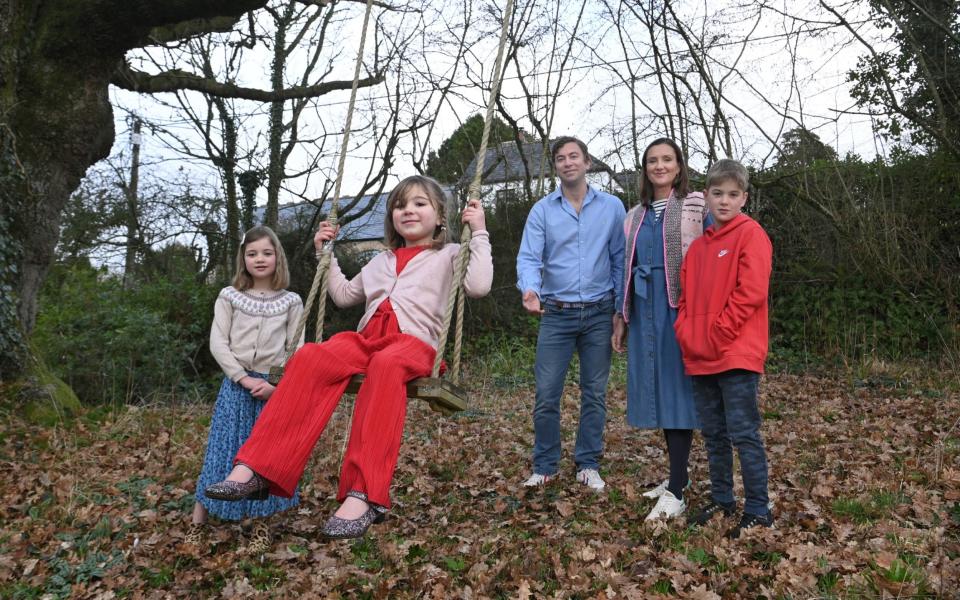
(56,61)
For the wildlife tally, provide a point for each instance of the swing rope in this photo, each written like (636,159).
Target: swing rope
(321,279)
(456,297)
(456,289)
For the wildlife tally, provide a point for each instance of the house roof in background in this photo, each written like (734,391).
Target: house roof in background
(504,163)
(367,226)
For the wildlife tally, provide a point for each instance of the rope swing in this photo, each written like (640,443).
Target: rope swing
(443,394)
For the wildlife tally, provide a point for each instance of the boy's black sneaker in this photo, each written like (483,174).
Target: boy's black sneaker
(708,512)
(747,521)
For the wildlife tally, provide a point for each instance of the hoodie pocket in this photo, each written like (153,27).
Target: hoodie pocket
(698,342)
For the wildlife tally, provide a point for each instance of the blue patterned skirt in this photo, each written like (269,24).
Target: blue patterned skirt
(233,417)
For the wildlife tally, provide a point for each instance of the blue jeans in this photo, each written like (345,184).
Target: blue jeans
(586,329)
(727,406)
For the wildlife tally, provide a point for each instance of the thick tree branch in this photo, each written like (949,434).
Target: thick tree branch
(174,80)
(188,29)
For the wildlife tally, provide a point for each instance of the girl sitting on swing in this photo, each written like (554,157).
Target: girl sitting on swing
(405,289)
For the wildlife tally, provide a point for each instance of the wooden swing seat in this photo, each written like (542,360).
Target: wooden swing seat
(442,395)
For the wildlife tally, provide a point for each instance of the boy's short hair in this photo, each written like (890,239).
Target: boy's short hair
(727,169)
(562,141)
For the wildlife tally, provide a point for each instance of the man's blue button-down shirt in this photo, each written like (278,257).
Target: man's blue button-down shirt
(570,257)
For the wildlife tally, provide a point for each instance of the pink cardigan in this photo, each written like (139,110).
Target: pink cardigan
(420,293)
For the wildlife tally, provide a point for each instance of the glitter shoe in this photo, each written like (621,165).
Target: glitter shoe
(256,488)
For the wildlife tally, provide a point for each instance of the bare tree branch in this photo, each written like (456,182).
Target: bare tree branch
(173,80)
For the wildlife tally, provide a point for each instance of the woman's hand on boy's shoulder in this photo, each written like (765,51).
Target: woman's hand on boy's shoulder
(325,232)
(474,216)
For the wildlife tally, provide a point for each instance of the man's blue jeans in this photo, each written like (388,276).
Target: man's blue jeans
(727,407)
(562,330)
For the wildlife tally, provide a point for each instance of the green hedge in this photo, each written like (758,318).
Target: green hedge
(111,344)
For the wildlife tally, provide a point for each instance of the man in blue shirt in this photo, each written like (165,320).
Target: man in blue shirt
(570,271)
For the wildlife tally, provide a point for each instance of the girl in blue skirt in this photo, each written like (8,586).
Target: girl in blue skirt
(254,322)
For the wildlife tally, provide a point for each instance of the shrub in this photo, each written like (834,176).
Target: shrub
(111,344)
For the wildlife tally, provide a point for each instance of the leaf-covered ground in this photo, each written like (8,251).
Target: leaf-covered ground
(865,476)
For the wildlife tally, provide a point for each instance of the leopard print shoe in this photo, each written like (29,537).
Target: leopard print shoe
(260,539)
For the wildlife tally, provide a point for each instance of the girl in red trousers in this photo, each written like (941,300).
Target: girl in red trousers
(405,290)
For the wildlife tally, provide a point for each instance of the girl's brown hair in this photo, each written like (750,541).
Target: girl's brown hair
(681,184)
(243,280)
(434,193)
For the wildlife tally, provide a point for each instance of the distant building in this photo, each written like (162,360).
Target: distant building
(361,226)
(504,172)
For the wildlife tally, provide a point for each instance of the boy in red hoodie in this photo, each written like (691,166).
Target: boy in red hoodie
(721,327)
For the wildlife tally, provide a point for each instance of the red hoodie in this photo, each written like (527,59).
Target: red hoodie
(722,319)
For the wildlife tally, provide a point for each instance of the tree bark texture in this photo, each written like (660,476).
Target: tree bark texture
(57,58)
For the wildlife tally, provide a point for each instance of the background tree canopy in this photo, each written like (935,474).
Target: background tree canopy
(867,249)
(447,163)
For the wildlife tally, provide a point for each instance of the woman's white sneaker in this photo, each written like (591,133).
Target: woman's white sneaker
(657,491)
(667,507)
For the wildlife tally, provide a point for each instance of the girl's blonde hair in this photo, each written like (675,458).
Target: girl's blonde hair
(434,192)
(281,276)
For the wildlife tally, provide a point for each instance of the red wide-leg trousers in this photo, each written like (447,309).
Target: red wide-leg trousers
(313,382)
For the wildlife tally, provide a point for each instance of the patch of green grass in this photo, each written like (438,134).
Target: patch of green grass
(663,586)
(769,559)
(20,591)
(63,574)
(827,583)
(677,539)
(454,564)
(100,414)
(366,554)
(885,501)
(160,578)
(701,557)
(38,511)
(851,508)
(134,488)
(900,572)
(263,576)
(183,504)
(442,472)
(879,505)
(615,496)
(416,553)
